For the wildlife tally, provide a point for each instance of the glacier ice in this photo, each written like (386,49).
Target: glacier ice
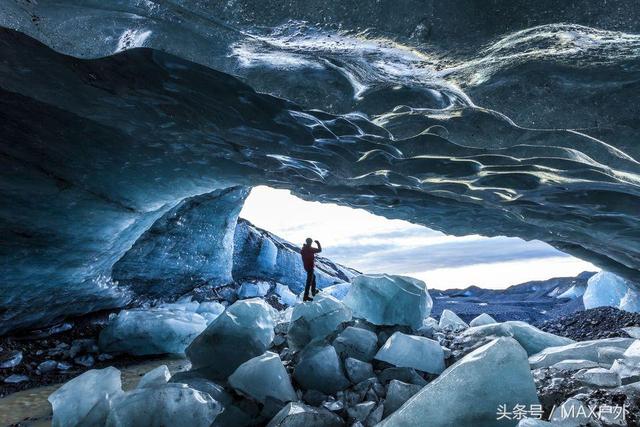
(300,415)
(571,413)
(585,350)
(534,422)
(575,365)
(151,331)
(339,291)
(628,365)
(189,245)
(482,319)
(357,370)
(319,368)
(262,255)
(411,351)
(356,342)
(389,300)
(360,411)
(285,295)
(73,402)
(263,376)
(398,393)
(244,330)
(532,339)
(450,321)
(608,289)
(315,319)
(172,404)
(155,377)
(599,377)
(123,167)
(470,391)
(253,289)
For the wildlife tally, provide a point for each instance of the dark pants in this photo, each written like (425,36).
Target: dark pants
(311,283)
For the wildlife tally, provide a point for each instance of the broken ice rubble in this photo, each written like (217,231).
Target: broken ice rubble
(166,329)
(316,319)
(411,351)
(263,376)
(451,322)
(320,369)
(584,350)
(300,415)
(357,343)
(469,392)
(532,339)
(243,331)
(389,300)
(172,404)
(73,401)
(481,320)
(151,331)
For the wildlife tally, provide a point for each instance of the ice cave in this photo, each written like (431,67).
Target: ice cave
(134,293)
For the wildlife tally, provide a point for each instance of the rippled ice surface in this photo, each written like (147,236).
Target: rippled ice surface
(518,126)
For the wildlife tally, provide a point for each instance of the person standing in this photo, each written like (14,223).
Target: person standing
(308,253)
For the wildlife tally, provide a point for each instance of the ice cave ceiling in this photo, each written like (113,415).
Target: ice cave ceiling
(112,112)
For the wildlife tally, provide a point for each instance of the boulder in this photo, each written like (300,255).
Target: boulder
(469,392)
(357,343)
(315,320)
(262,377)
(300,415)
(89,392)
(411,351)
(243,331)
(319,369)
(389,300)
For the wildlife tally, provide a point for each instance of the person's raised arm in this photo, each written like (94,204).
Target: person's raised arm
(319,247)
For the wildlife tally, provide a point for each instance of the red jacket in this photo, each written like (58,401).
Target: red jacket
(308,256)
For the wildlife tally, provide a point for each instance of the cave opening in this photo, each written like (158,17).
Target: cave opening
(374,244)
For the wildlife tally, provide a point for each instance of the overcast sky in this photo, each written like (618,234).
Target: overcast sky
(373,244)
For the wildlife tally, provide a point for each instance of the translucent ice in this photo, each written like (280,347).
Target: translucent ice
(358,370)
(151,331)
(300,415)
(470,392)
(608,289)
(389,300)
(259,288)
(243,331)
(532,339)
(155,377)
(339,291)
(450,321)
(319,369)
(285,295)
(571,413)
(411,351)
(599,377)
(483,319)
(357,343)
(172,404)
(398,392)
(575,365)
(75,399)
(315,319)
(585,350)
(263,376)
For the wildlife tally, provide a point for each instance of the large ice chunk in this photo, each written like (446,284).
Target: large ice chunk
(75,399)
(319,369)
(411,351)
(481,320)
(389,300)
(451,322)
(532,339)
(243,331)
(584,350)
(470,392)
(155,377)
(300,415)
(253,289)
(608,289)
(173,404)
(263,376)
(151,331)
(599,377)
(315,319)
(357,343)
(398,393)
